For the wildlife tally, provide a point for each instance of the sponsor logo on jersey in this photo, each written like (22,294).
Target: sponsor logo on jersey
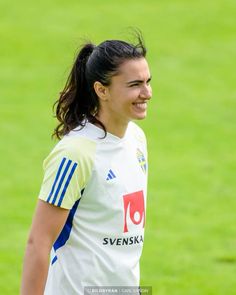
(123,241)
(134,219)
(141,160)
(134,211)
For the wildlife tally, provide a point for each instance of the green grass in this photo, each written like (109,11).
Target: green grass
(190,240)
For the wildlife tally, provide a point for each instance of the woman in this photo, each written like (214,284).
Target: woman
(91,210)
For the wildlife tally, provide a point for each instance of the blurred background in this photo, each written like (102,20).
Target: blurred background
(190,240)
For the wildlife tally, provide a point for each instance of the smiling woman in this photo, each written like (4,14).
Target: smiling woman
(126,97)
(91,210)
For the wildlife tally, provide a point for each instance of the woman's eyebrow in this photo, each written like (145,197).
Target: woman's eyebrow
(139,81)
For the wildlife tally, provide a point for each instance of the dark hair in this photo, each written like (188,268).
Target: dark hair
(78,102)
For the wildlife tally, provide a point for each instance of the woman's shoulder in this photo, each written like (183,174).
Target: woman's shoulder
(137,132)
(75,146)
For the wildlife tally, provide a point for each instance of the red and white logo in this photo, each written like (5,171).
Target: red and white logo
(134,209)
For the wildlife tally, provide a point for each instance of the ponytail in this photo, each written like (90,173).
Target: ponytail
(75,103)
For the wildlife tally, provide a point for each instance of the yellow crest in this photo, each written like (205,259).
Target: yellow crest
(141,160)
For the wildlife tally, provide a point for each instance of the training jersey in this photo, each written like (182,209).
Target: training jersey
(103,182)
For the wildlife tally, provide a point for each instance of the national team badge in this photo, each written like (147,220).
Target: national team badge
(141,160)
(134,210)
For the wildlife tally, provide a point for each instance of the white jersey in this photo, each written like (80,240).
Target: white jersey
(102,181)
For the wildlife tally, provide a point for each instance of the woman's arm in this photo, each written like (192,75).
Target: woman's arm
(47,225)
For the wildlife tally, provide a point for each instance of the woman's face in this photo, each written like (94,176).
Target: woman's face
(129,92)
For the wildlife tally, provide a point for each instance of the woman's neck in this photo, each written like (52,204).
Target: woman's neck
(115,127)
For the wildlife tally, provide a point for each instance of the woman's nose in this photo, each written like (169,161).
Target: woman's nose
(146,92)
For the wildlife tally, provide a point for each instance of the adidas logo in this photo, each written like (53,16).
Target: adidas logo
(110,175)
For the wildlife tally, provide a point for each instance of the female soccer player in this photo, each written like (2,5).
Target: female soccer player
(90,216)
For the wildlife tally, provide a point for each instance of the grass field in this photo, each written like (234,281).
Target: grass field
(190,242)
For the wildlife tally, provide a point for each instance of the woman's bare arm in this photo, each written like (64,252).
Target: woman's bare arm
(46,226)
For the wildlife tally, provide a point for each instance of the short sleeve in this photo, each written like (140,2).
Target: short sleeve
(67,170)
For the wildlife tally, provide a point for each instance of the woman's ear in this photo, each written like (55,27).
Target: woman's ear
(100,90)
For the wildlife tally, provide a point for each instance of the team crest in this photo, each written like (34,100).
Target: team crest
(141,160)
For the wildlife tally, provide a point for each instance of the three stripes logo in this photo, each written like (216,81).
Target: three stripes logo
(61,181)
(110,175)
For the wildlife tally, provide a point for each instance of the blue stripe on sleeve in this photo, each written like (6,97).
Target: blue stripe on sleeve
(61,181)
(65,233)
(54,259)
(67,183)
(56,179)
